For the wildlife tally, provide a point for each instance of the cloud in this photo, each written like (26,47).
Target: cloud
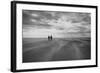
(56,23)
(33,20)
(35,15)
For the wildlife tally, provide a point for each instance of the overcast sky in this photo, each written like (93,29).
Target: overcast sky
(58,24)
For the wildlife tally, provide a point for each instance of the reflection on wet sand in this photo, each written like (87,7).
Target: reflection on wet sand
(58,49)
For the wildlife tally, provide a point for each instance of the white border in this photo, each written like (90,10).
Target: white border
(35,65)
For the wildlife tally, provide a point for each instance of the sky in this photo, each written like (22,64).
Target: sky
(40,24)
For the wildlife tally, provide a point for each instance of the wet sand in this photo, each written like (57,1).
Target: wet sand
(43,50)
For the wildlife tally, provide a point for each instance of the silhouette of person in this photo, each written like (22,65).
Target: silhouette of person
(50,37)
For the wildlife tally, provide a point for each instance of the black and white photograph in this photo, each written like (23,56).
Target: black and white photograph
(56,36)
(48,36)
